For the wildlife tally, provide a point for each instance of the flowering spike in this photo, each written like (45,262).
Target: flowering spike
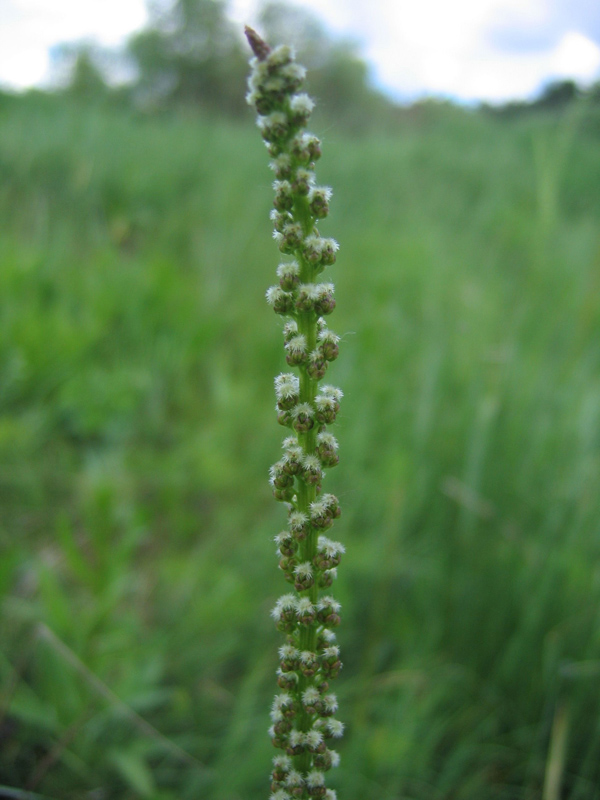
(302,714)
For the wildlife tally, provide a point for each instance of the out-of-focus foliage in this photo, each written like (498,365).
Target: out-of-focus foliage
(136,431)
(191,53)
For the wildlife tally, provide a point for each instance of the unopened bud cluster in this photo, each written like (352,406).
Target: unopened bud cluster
(303,714)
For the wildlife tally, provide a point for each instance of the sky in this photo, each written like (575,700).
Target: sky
(468,50)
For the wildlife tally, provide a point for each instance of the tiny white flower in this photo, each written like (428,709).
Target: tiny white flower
(318,508)
(296,738)
(283,762)
(279,794)
(287,385)
(328,547)
(310,290)
(291,268)
(314,738)
(282,54)
(282,700)
(324,289)
(335,761)
(293,454)
(311,463)
(294,779)
(310,696)
(286,602)
(329,602)
(290,329)
(332,391)
(274,293)
(297,345)
(293,71)
(315,778)
(297,520)
(330,794)
(336,728)
(332,651)
(302,104)
(304,570)
(276,118)
(325,191)
(327,439)
(304,606)
(328,635)
(330,702)
(306,657)
(282,186)
(328,337)
(303,408)
(282,162)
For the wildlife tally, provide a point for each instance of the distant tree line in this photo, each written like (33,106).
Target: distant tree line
(191,55)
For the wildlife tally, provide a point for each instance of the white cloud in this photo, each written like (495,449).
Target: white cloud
(29,28)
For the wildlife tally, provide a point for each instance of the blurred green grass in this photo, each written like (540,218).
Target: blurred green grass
(137,427)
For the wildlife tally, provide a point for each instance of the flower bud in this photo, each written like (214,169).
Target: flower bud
(279,220)
(282,167)
(289,658)
(326,449)
(299,525)
(284,199)
(328,344)
(275,127)
(302,182)
(329,554)
(282,302)
(296,352)
(287,390)
(303,576)
(285,417)
(325,302)
(290,237)
(328,612)
(286,544)
(316,366)
(289,276)
(318,201)
(305,611)
(301,107)
(311,470)
(303,417)
(290,329)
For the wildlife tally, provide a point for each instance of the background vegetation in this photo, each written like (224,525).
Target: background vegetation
(136,431)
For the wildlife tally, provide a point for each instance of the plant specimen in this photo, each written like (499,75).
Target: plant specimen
(303,713)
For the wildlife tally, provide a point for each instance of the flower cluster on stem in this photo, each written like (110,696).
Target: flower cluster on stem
(303,713)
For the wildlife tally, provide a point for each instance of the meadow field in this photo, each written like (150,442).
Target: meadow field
(137,358)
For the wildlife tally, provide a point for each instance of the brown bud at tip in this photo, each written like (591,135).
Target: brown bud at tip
(259,47)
